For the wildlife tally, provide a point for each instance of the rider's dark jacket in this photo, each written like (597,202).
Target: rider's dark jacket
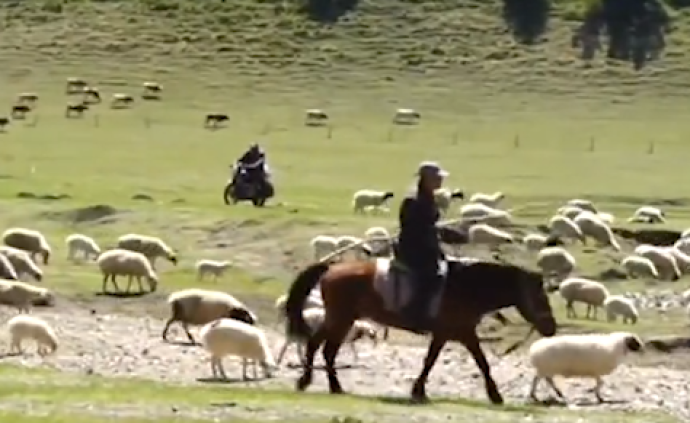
(418,243)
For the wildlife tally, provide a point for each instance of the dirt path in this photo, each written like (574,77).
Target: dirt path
(119,345)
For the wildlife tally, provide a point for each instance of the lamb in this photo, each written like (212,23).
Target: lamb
(378,241)
(150,246)
(21,262)
(534,242)
(638,266)
(121,262)
(211,267)
(323,245)
(565,227)
(201,306)
(663,260)
(581,356)
(585,291)
(375,200)
(570,212)
(445,196)
(593,227)
(556,262)
(231,337)
(315,318)
(22,327)
(618,305)
(79,243)
(583,204)
(7,270)
(482,233)
(23,295)
(648,214)
(491,200)
(28,240)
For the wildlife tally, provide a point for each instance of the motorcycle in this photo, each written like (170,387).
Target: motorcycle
(242,188)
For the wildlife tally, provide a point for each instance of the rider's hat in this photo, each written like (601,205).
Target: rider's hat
(432,169)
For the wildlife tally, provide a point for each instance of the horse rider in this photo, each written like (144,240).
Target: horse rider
(253,162)
(419,247)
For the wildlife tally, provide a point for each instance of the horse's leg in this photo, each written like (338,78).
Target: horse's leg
(313,345)
(330,351)
(419,388)
(282,351)
(471,342)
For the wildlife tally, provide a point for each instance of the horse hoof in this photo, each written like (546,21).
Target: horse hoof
(303,382)
(496,398)
(420,398)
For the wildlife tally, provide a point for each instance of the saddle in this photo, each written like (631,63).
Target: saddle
(396,283)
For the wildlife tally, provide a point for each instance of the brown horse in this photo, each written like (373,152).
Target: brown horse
(351,290)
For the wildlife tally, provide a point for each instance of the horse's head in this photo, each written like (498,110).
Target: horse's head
(533,303)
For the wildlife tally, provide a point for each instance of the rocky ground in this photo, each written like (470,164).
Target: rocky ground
(124,346)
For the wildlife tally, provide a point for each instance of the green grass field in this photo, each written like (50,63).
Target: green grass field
(529,121)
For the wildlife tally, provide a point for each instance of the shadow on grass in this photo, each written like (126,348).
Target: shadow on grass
(122,294)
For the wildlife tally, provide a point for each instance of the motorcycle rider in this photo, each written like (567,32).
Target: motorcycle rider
(419,247)
(253,164)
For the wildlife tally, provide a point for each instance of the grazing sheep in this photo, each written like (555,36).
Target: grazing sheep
(152,90)
(201,306)
(664,261)
(323,245)
(27,98)
(19,111)
(121,262)
(378,241)
(682,259)
(211,267)
(491,200)
(648,214)
(79,243)
(213,120)
(121,101)
(482,233)
(581,290)
(406,117)
(570,212)
(596,229)
(607,218)
(231,337)
(480,213)
(638,266)
(580,356)
(7,270)
(92,95)
(76,85)
(76,110)
(565,227)
(22,262)
(376,200)
(23,327)
(583,204)
(534,242)
(4,121)
(315,317)
(23,296)
(473,211)
(29,240)
(618,305)
(150,246)
(556,262)
(445,196)
(315,117)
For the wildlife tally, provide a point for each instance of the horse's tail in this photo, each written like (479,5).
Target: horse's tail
(299,291)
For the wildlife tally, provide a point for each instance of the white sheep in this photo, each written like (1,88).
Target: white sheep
(638,266)
(80,243)
(618,305)
(556,262)
(23,327)
(589,292)
(29,240)
(121,262)
(607,218)
(685,234)
(323,245)
(315,117)
(7,270)
(682,259)
(472,211)
(570,212)
(314,317)
(370,200)
(648,214)
(491,200)
(484,234)
(565,227)
(406,116)
(350,241)
(583,204)
(580,356)
(445,196)
(378,240)
(23,295)
(201,306)
(534,242)
(22,262)
(211,267)
(480,213)
(150,246)
(683,244)
(224,337)
(664,261)
(595,228)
